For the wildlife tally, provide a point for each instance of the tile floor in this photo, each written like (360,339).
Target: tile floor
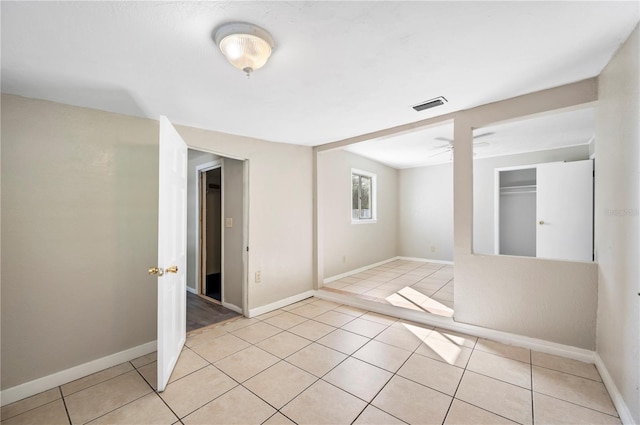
(317,362)
(409,284)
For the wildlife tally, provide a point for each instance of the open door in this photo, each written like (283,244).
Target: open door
(172,250)
(565,210)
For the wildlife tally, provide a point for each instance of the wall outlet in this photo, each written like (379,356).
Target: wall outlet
(228,222)
(433,248)
(344,259)
(258,276)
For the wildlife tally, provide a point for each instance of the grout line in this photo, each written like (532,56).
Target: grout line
(533,410)
(581,405)
(98,383)
(393,374)
(64,402)
(165,403)
(568,373)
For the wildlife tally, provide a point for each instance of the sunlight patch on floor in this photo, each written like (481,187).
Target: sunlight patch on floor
(410,298)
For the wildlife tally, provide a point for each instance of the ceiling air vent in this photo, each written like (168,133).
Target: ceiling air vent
(430,103)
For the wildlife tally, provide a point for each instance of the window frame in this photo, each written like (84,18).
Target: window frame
(373,196)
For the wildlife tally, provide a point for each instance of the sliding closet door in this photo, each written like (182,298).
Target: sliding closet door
(565,210)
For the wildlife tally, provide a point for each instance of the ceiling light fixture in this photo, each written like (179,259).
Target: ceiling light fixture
(246,46)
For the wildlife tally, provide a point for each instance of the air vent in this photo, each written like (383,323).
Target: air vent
(430,104)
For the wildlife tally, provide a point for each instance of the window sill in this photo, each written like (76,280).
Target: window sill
(366,221)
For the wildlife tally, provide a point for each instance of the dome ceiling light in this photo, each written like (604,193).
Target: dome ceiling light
(246,46)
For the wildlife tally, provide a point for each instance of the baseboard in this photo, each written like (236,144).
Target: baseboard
(450,324)
(616,397)
(279,304)
(39,385)
(380,263)
(425,260)
(231,307)
(359,270)
(193,291)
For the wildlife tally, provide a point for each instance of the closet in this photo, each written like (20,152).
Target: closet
(545,210)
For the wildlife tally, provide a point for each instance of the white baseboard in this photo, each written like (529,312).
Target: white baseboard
(193,291)
(380,263)
(616,397)
(425,260)
(450,324)
(359,270)
(231,307)
(39,385)
(279,304)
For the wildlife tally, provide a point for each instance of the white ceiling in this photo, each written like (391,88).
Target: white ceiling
(541,132)
(340,69)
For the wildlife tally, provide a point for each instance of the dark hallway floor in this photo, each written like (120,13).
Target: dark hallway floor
(201,312)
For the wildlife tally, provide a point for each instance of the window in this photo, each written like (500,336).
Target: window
(363,193)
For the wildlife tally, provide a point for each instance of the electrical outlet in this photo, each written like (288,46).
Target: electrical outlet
(228,222)
(433,249)
(258,276)
(344,259)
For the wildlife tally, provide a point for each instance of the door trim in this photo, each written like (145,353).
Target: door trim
(496,201)
(200,273)
(246,227)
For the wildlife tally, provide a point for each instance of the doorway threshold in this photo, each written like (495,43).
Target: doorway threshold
(202,312)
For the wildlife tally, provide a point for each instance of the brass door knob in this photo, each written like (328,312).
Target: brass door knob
(541,222)
(155,271)
(172,269)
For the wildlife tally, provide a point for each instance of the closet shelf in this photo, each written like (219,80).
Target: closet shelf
(528,188)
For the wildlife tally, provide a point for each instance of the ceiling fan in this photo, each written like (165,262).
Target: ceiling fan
(448,148)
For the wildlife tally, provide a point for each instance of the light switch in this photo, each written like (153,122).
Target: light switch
(228,222)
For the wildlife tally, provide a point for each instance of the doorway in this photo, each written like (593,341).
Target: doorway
(211,233)
(216,235)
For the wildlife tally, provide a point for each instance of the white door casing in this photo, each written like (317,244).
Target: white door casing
(172,249)
(565,210)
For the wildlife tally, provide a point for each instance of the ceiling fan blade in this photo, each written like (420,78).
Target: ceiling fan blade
(488,133)
(481,144)
(446,150)
(450,141)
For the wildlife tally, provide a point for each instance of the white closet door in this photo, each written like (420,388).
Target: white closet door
(565,210)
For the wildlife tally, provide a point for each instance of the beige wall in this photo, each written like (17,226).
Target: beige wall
(233,246)
(349,246)
(545,299)
(79,230)
(280,211)
(617,228)
(425,203)
(425,212)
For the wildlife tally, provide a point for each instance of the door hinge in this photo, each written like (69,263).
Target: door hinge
(247,249)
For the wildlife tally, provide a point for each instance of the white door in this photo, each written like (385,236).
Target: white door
(172,250)
(565,210)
